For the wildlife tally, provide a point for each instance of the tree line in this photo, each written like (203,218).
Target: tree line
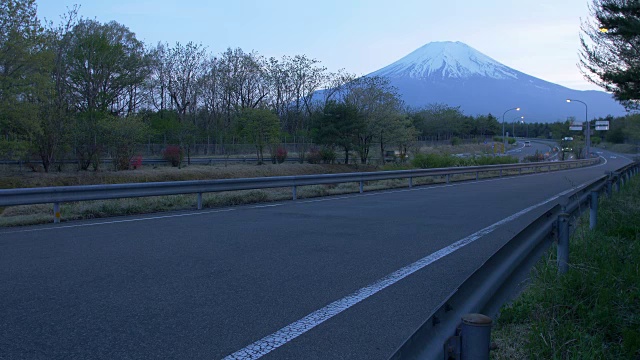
(85,89)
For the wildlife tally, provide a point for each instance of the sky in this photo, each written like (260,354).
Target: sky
(537,37)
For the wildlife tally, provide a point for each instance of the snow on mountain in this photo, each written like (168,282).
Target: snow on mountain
(455,74)
(447,60)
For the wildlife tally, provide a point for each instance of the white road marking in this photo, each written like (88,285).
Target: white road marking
(295,329)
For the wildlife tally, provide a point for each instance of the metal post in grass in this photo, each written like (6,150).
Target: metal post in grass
(295,193)
(618,184)
(448,178)
(549,168)
(477,175)
(520,173)
(410,182)
(475,337)
(609,188)
(593,213)
(199,201)
(500,172)
(563,243)
(361,187)
(56,213)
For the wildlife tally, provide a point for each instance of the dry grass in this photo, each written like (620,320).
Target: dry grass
(476,149)
(512,345)
(13,177)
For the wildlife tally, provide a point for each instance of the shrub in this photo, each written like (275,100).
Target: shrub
(425,161)
(281,155)
(535,157)
(173,154)
(314,156)
(328,156)
(136,162)
(455,141)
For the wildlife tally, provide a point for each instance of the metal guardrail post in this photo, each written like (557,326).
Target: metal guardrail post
(199,201)
(448,178)
(520,171)
(618,184)
(410,182)
(56,212)
(477,175)
(609,188)
(593,212)
(549,168)
(475,337)
(563,243)
(295,192)
(500,172)
(361,187)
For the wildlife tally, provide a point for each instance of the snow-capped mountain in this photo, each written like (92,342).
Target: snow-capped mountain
(458,75)
(441,60)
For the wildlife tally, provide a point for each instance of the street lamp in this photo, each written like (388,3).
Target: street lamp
(514,125)
(586,119)
(504,139)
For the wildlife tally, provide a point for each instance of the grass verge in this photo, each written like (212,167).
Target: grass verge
(591,312)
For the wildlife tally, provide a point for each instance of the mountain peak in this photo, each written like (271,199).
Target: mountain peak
(447,59)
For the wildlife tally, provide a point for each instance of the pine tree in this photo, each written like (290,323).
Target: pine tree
(610,54)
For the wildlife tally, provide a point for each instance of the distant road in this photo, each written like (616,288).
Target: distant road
(521,151)
(298,280)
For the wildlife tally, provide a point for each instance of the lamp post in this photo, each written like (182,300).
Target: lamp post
(504,139)
(514,125)
(586,119)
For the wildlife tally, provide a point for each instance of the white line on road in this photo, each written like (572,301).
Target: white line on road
(293,330)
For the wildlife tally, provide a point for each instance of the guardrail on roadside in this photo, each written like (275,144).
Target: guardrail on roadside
(460,327)
(57,195)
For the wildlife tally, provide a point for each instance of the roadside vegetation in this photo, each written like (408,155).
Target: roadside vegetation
(591,312)
(425,161)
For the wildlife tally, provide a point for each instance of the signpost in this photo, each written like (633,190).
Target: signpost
(602,125)
(575,126)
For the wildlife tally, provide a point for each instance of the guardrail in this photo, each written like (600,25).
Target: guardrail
(57,195)
(459,328)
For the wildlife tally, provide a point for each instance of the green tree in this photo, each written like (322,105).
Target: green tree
(106,61)
(611,49)
(376,102)
(337,126)
(23,69)
(121,136)
(260,127)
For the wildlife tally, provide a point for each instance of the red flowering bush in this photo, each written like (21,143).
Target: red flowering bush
(173,154)
(281,155)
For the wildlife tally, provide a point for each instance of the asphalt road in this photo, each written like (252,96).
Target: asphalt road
(208,284)
(520,151)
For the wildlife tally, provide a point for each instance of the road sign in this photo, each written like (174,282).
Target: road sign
(602,125)
(575,126)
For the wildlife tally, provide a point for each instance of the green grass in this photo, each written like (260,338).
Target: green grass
(591,312)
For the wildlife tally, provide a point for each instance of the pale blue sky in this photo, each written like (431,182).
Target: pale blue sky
(538,37)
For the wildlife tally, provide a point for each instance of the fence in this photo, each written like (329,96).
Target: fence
(457,330)
(57,195)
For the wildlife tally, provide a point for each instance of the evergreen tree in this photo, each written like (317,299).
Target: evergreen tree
(611,49)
